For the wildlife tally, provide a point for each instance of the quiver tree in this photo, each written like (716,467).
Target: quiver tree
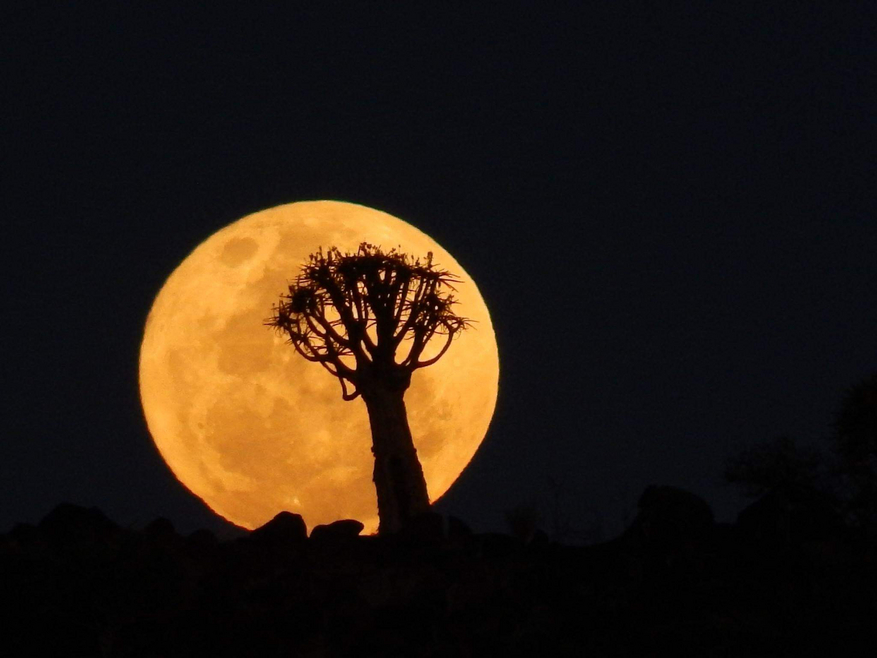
(367,318)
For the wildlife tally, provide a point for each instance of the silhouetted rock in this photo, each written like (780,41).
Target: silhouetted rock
(522,521)
(202,536)
(459,535)
(667,513)
(24,534)
(457,529)
(674,584)
(72,525)
(285,528)
(343,530)
(672,529)
(202,542)
(160,529)
(538,540)
(495,545)
(427,528)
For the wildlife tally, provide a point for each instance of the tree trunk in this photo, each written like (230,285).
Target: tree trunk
(398,476)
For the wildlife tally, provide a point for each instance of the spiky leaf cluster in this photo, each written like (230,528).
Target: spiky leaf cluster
(367,311)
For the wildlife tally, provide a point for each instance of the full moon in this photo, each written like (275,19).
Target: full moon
(251,427)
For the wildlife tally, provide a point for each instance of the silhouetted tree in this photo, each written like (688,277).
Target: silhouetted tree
(367,318)
(855,443)
(768,465)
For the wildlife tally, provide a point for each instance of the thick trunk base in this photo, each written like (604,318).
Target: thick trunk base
(398,475)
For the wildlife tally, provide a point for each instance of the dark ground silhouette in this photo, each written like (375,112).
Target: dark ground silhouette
(788,579)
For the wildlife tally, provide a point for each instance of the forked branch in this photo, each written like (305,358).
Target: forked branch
(361,306)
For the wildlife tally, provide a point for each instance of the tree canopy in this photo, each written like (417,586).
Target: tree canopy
(369,310)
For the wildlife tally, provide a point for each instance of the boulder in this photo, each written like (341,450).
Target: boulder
(672,528)
(24,534)
(539,540)
(460,536)
(285,528)
(458,529)
(71,525)
(161,529)
(498,546)
(337,531)
(202,541)
(427,528)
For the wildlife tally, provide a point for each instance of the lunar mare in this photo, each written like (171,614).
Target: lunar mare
(251,427)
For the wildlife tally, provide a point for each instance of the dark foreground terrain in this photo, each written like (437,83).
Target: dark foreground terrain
(788,579)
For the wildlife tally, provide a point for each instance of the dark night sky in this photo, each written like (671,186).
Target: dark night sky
(668,207)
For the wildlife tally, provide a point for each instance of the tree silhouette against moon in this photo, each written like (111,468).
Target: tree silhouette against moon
(250,426)
(367,317)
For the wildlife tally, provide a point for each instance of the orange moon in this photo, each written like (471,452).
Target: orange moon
(251,427)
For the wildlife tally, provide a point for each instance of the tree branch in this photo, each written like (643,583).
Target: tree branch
(430,361)
(361,306)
